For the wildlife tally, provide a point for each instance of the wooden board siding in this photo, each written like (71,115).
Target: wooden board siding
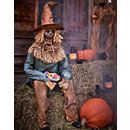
(23,16)
(75,23)
(22,41)
(23,36)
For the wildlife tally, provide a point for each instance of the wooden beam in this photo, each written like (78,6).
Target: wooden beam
(89,22)
(36,13)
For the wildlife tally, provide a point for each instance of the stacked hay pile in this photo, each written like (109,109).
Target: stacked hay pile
(85,75)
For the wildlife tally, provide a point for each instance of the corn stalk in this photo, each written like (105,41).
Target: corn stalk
(103,15)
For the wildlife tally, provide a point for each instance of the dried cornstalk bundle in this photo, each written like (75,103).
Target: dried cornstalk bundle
(101,16)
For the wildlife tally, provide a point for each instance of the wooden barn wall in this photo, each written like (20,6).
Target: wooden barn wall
(75,21)
(23,36)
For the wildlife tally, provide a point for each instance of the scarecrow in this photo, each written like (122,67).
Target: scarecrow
(47,67)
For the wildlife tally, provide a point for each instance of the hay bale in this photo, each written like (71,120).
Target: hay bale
(87,75)
(24,106)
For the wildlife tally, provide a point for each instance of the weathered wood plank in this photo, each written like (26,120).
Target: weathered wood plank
(21,46)
(36,14)
(81,16)
(23,34)
(19,59)
(74,35)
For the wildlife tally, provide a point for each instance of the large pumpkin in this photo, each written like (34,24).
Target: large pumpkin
(96,112)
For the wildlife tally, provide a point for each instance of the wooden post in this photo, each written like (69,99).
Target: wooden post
(36,13)
(89,22)
(95,32)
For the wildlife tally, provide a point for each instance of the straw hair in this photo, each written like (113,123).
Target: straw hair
(38,51)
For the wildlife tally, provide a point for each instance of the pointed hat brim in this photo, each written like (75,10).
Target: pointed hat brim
(49,26)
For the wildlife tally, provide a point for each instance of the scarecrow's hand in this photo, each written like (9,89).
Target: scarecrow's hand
(52,76)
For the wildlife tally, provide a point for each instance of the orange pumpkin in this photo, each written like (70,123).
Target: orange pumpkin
(80,55)
(96,113)
(88,54)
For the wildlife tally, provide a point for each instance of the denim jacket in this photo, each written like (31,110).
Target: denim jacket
(35,69)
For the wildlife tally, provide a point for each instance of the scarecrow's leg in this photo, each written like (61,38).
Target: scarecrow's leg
(70,101)
(40,89)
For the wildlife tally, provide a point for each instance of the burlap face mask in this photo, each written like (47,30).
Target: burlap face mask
(49,45)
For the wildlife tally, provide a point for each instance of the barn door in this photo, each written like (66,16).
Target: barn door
(75,22)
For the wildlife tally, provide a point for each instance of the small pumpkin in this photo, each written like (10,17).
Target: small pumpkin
(88,54)
(96,113)
(80,55)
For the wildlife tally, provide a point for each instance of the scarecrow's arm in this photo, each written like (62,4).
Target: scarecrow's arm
(33,74)
(65,70)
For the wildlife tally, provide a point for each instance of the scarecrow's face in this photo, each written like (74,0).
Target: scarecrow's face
(49,33)
(49,46)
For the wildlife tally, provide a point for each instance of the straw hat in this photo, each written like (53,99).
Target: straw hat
(47,18)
